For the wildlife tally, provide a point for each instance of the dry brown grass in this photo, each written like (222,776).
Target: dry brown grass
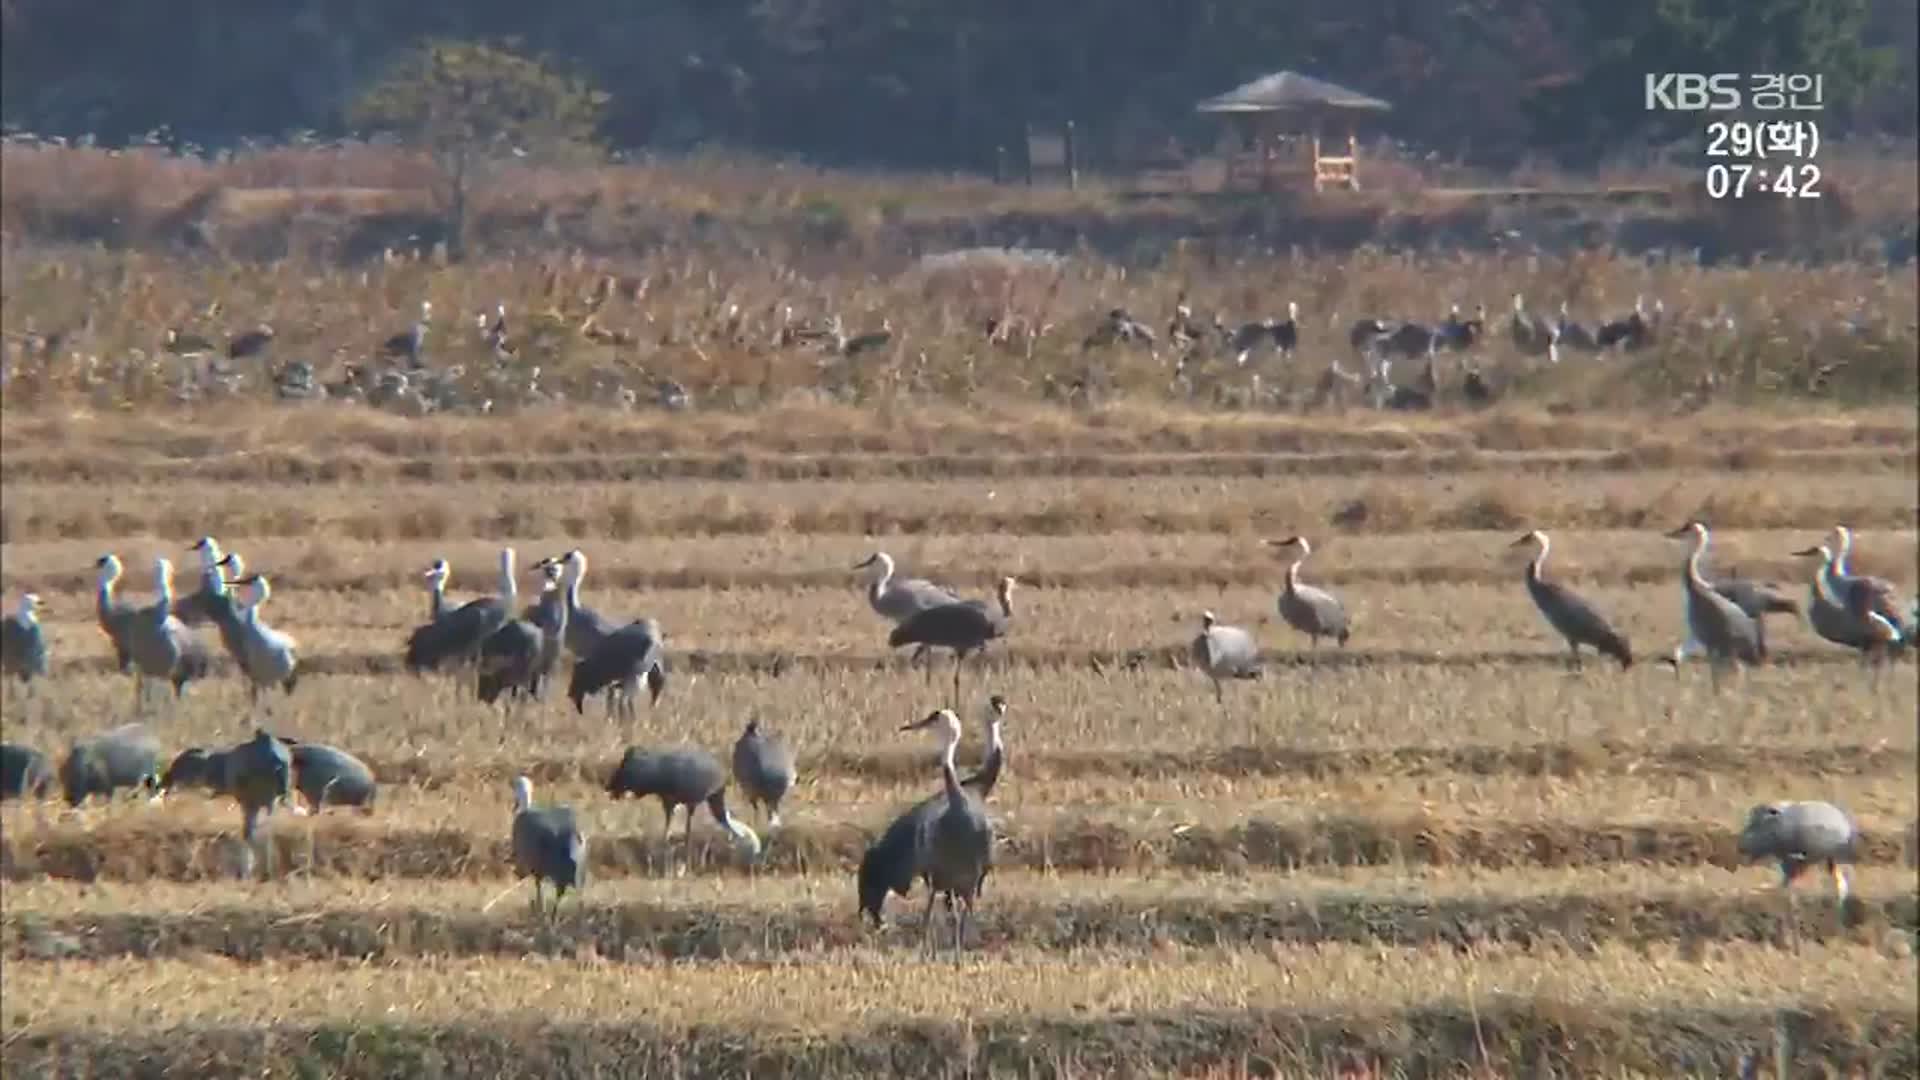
(770,918)
(1019,508)
(835,1004)
(1356,844)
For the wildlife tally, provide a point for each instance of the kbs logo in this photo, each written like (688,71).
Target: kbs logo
(1693,92)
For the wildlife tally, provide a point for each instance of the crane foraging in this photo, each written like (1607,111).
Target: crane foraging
(1726,633)
(622,659)
(1224,652)
(954,850)
(763,767)
(25,773)
(548,845)
(1798,834)
(127,756)
(964,627)
(1570,616)
(1313,612)
(681,777)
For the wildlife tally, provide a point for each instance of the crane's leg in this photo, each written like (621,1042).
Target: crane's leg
(1574,662)
(926,923)
(666,842)
(688,865)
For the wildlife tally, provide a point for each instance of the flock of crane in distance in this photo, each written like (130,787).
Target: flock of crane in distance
(946,840)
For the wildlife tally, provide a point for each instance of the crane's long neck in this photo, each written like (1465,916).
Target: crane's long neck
(509,588)
(436,597)
(947,773)
(576,572)
(1006,599)
(882,579)
(1537,569)
(1695,579)
(27,615)
(1293,573)
(1837,564)
(1823,580)
(103,595)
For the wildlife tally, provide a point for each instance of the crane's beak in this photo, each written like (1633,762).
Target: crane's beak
(1807,553)
(1681,532)
(864,563)
(1523,541)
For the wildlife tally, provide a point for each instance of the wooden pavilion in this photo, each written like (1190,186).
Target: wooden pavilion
(1278,123)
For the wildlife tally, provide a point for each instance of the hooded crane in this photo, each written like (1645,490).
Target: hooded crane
(548,845)
(200,607)
(1797,835)
(899,599)
(763,767)
(259,776)
(587,628)
(23,641)
(1726,633)
(1224,652)
(964,627)
(124,757)
(1867,597)
(514,659)
(1531,334)
(25,773)
(620,661)
(1829,615)
(681,777)
(549,613)
(267,656)
(1757,599)
(888,865)
(1313,612)
(329,776)
(115,617)
(456,635)
(1569,615)
(161,646)
(954,851)
(411,343)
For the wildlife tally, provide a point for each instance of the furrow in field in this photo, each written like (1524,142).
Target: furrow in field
(709,919)
(1009,506)
(143,847)
(1606,1009)
(40,466)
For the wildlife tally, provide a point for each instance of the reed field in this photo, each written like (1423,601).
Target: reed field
(1434,851)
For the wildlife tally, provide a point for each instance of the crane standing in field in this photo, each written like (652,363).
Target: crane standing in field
(1313,612)
(890,863)
(268,657)
(1726,633)
(899,599)
(1867,597)
(954,850)
(23,641)
(548,845)
(1569,615)
(456,636)
(964,627)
